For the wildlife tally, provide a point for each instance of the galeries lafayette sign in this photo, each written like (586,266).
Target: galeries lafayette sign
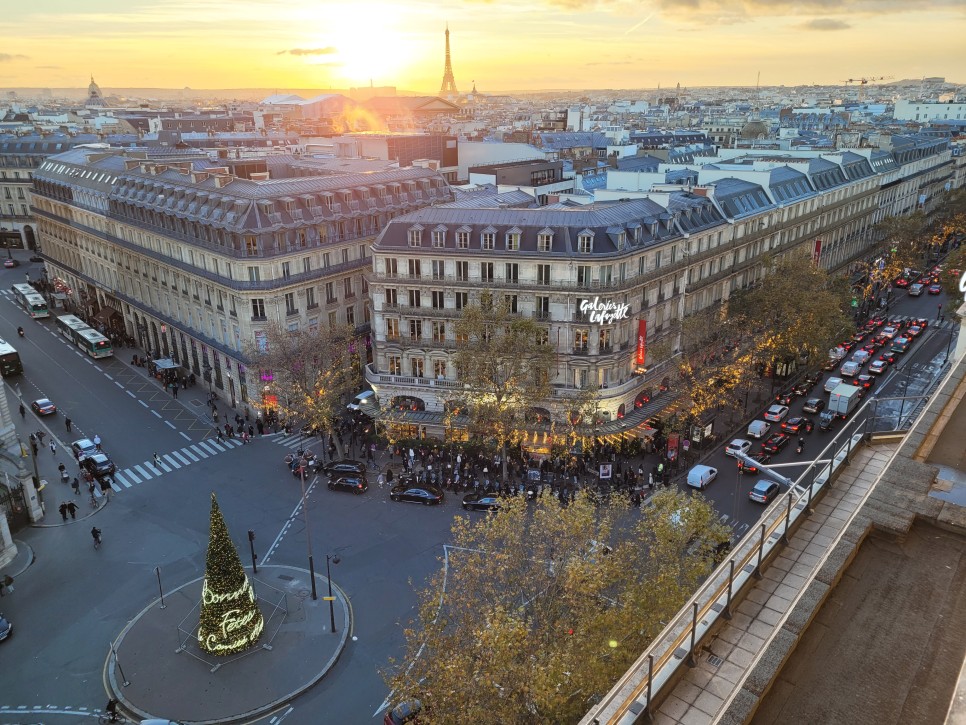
(605,312)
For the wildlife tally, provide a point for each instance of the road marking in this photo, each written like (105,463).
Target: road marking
(142,402)
(190,455)
(209,446)
(128,392)
(185,435)
(155,413)
(168,459)
(170,424)
(201,452)
(130,474)
(184,460)
(108,376)
(144,474)
(119,477)
(217,445)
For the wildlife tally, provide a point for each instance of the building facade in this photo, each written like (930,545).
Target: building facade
(195,263)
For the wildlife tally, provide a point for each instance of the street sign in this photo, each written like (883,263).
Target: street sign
(855,302)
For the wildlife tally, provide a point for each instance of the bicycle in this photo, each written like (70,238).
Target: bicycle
(108,717)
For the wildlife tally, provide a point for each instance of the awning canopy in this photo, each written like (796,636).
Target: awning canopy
(165,363)
(105,313)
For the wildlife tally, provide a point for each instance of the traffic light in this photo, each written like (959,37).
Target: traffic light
(251,534)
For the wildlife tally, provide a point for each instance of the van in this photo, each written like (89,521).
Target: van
(701,476)
(851,369)
(364,400)
(758,429)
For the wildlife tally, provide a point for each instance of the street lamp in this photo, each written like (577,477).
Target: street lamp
(334,558)
(308,535)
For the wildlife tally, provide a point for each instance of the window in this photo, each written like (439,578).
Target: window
(585,244)
(392,299)
(438,303)
(330,292)
(462,300)
(415,237)
(542,336)
(392,270)
(513,241)
(544,242)
(392,328)
(580,340)
(605,340)
(350,316)
(414,298)
(439,331)
(606,275)
(543,274)
(416,366)
(439,369)
(306,264)
(258,309)
(290,308)
(416,329)
(583,275)
(462,271)
(310,298)
(487,240)
(439,239)
(486,271)
(347,287)
(394,364)
(543,308)
(462,240)
(415,269)
(286,270)
(511,302)
(251,246)
(253,274)
(345,256)
(438,269)
(512,272)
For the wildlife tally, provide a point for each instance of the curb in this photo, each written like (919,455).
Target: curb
(100,507)
(30,558)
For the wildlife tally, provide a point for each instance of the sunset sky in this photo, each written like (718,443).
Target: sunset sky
(502,45)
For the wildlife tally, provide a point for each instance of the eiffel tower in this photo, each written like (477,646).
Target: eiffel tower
(448,89)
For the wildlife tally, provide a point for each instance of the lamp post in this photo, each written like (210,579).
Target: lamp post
(334,558)
(308,533)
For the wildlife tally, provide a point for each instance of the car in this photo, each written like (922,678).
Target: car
(889,332)
(748,468)
(798,424)
(826,419)
(859,336)
(935,289)
(913,331)
(355,484)
(482,502)
(915,290)
(764,491)
(801,390)
(814,377)
(850,369)
(9,263)
(888,357)
(901,282)
(921,322)
(758,429)
(847,346)
(776,413)
(98,465)
(814,405)
(404,712)
(900,345)
(873,345)
(412,492)
(775,442)
(785,398)
(865,381)
(700,476)
(43,407)
(830,365)
(83,447)
(738,445)
(344,466)
(832,383)
(878,367)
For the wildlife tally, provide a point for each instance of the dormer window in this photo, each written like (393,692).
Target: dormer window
(621,240)
(439,237)
(513,239)
(544,241)
(585,242)
(488,239)
(416,236)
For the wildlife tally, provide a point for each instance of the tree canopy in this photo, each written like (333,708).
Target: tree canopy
(541,607)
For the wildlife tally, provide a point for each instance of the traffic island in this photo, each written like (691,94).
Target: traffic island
(160,671)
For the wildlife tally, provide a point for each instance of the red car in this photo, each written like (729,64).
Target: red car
(888,356)
(921,322)
(935,289)
(901,282)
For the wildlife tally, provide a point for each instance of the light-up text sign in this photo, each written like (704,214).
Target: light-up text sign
(605,312)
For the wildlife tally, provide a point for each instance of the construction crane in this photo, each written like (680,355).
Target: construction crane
(864,81)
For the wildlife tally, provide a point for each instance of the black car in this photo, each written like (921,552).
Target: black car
(865,381)
(353,484)
(98,465)
(482,502)
(797,425)
(762,458)
(344,466)
(813,377)
(785,397)
(801,390)
(412,492)
(775,442)
(814,405)
(826,419)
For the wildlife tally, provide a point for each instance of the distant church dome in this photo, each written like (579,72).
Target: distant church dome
(754,129)
(94,96)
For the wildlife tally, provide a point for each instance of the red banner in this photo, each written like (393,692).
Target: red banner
(817,252)
(641,341)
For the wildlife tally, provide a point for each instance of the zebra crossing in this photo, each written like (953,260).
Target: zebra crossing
(933,322)
(141,472)
(293,440)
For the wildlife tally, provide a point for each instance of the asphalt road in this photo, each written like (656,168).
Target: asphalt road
(73,601)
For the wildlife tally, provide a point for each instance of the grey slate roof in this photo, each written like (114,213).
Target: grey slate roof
(739,198)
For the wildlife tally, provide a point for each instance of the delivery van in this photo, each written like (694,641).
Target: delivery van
(701,476)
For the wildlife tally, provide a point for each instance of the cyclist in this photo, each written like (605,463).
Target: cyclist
(111,710)
(96,534)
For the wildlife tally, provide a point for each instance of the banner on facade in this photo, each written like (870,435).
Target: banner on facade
(817,252)
(641,341)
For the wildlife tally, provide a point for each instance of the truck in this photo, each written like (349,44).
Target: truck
(842,401)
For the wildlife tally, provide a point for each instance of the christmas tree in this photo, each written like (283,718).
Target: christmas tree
(230,618)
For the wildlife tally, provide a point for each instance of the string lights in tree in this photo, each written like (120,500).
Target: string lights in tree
(230,618)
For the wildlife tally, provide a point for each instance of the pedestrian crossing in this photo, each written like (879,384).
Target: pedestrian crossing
(169,462)
(292,441)
(934,324)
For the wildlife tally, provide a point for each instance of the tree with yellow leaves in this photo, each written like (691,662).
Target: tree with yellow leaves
(538,610)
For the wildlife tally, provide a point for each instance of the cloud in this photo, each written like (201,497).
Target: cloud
(825,24)
(5,57)
(309,51)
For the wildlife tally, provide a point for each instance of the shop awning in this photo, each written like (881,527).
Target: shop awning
(105,313)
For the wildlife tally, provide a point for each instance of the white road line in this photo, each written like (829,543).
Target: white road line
(119,477)
(127,391)
(190,455)
(183,460)
(213,449)
(108,376)
(170,424)
(185,435)
(130,474)
(163,466)
(201,451)
(142,403)
(168,459)
(144,474)
(155,413)
(117,489)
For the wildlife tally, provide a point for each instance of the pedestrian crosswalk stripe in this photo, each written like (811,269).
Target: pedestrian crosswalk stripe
(143,473)
(216,445)
(197,449)
(128,473)
(208,446)
(169,459)
(119,477)
(181,458)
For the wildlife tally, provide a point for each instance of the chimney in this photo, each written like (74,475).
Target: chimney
(198,176)
(217,169)
(260,176)
(223,180)
(703,191)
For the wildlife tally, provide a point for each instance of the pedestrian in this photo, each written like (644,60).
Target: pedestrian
(72,510)
(40,436)
(106,488)
(97,441)
(221,436)
(174,390)
(23,411)
(157,461)
(261,427)
(251,431)
(69,423)
(53,448)
(63,512)
(6,584)
(75,484)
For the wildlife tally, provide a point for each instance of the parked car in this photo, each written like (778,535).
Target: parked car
(764,491)
(43,407)
(814,405)
(798,424)
(334,469)
(411,492)
(776,413)
(758,429)
(98,465)
(6,628)
(701,476)
(83,447)
(481,502)
(403,713)
(747,468)
(775,442)
(738,445)
(355,484)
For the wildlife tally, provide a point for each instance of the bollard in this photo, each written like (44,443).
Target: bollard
(788,519)
(761,550)
(694,632)
(726,612)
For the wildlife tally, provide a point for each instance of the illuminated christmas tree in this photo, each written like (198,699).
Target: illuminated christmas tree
(230,618)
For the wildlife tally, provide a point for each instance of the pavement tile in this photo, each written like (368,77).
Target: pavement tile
(786,592)
(760,628)
(731,672)
(749,608)
(729,634)
(809,559)
(674,707)
(751,643)
(709,703)
(661,718)
(741,657)
(771,616)
(687,691)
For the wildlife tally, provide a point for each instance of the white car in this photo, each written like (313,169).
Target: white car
(878,367)
(915,290)
(758,429)
(776,413)
(888,332)
(738,445)
(832,383)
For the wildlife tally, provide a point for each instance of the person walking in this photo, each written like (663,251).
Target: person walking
(72,510)
(69,423)
(63,512)
(53,448)
(157,461)
(75,484)
(221,436)
(23,411)
(97,441)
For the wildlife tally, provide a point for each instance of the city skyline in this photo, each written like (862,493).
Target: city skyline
(565,44)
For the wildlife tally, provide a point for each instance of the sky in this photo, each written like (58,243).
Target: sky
(500,44)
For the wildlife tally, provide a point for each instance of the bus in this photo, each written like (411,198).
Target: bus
(85,337)
(9,360)
(31,300)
